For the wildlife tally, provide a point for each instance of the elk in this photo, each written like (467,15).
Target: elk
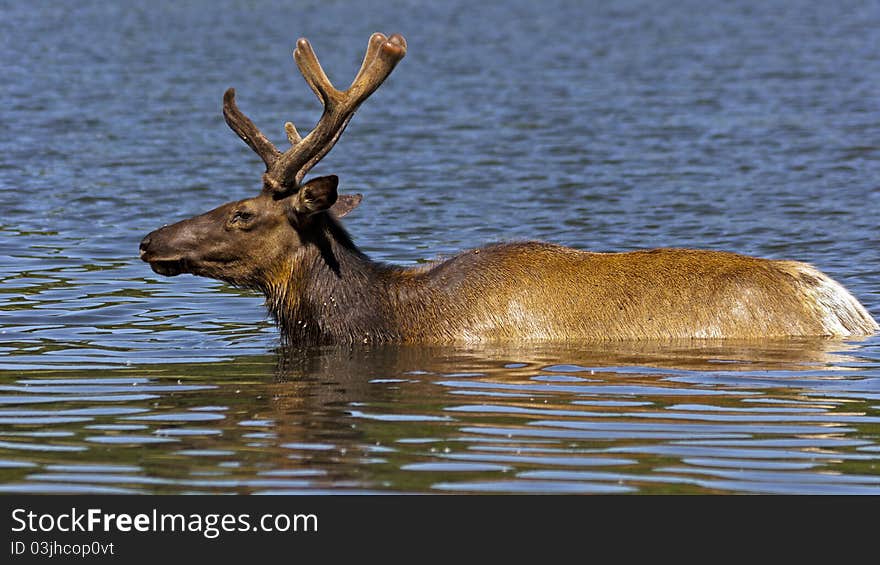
(288,243)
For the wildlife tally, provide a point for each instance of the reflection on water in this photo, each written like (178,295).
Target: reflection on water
(783,417)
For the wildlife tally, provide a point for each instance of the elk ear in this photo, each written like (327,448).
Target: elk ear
(317,195)
(345,204)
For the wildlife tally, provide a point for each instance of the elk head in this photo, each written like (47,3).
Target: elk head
(245,243)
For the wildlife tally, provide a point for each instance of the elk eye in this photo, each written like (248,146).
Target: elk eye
(241,216)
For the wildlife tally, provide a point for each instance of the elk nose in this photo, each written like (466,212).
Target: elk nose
(145,243)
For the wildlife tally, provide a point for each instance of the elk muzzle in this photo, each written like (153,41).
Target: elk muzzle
(181,247)
(163,258)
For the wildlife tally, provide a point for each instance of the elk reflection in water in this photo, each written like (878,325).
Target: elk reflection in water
(708,416)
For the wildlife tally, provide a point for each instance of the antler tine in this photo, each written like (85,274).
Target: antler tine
(293,136)
(387,56)
(247,131)
(314,74)
(376,41)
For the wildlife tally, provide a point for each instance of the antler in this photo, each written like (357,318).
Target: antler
(285,171)
(247,131)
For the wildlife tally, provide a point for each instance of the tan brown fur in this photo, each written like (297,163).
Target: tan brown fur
(541,291)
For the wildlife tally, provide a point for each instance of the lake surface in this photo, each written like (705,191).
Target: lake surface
(605,126)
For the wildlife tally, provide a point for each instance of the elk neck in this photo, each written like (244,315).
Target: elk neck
(330,291)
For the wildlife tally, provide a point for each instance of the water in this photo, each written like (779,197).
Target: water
(605,126)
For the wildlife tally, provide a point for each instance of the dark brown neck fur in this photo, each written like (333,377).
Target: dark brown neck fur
(332,292)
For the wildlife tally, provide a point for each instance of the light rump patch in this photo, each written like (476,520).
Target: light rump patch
(839,311)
